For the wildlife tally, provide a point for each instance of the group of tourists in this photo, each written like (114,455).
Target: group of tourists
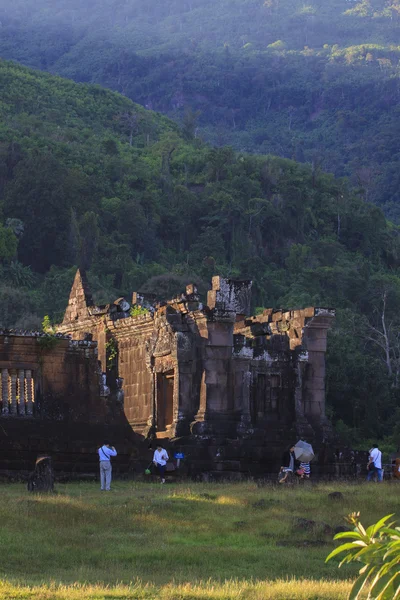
(287,470)
(107,451)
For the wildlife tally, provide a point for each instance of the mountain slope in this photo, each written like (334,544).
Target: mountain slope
(89,179)
(316,82)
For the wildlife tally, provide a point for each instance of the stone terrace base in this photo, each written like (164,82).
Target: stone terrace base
(257,454)
(73,447)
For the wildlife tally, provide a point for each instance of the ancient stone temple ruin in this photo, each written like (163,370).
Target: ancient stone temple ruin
(228,389)
(51,403)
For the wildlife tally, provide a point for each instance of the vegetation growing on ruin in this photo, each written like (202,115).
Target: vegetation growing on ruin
(138,311)
(111,351)
(316,81)
(216,541)
(151,208)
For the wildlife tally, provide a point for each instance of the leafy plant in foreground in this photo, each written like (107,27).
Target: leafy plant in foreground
(378,547)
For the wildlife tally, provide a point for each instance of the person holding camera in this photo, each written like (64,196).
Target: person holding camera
(105,453)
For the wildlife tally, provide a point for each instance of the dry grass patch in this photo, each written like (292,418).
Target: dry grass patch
(230,590)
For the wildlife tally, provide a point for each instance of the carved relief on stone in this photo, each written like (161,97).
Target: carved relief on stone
(184,346)
(120,392)
(164,342)
(163,365)
(104,389)
(148,346)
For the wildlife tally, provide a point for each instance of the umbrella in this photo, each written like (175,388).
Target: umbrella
(303,451)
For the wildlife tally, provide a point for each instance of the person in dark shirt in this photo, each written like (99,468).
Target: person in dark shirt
(287,468)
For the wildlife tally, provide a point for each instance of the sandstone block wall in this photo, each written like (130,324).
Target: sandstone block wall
(209,370)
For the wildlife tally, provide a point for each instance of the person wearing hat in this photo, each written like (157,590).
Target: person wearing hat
(160,460)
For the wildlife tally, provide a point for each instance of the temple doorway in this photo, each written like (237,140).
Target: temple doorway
(165,400)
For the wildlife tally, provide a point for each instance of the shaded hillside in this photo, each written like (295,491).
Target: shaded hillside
(317,82)
(88,178)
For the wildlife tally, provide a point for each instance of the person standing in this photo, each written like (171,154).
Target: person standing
(105,453)
(160,460)
(374,466)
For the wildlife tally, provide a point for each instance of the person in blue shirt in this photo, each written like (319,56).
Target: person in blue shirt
(105,453)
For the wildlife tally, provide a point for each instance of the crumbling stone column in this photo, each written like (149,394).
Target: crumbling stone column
(13,392)
(29,392)
(4,391)
(315,342)
(21,389)
(226,300)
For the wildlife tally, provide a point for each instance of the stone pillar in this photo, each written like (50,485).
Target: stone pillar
(176,411)
(29,392)
(315,341)
(242,394)
(227,300)
(13,392)
(217,366)
(21,389)
(303,427)
(4,391)
(216,407)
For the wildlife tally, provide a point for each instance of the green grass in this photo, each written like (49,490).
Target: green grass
(186,541)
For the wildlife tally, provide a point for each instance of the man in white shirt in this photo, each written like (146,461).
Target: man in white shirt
(160,460)
(105,453)
(375,463)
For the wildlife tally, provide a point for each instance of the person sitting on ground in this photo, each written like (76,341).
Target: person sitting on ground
(287,469)
(160,460)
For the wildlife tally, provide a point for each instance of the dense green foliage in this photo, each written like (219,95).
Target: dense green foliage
(315,81)
(88,178)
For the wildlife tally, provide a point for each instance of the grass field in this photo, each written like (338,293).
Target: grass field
(179,541)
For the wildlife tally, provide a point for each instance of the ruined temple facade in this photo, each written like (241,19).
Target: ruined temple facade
(52,404)
(207,374)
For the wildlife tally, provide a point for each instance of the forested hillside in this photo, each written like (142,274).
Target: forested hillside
(315,81)
(89,179)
